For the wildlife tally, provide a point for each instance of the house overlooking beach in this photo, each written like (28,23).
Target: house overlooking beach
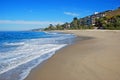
(59,39)
(90,20)
(100,20)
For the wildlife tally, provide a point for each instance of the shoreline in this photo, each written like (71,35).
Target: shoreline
(92,59)
(77,39)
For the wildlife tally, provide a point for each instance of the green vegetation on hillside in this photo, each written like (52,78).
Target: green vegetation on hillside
(113,13)
(104,20)
(75,24)
(112,23)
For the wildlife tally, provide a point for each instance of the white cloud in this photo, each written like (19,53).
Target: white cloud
(71,14)
(29,22)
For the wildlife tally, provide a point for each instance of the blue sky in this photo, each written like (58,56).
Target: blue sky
(30,14)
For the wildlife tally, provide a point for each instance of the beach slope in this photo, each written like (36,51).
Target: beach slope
(97,58)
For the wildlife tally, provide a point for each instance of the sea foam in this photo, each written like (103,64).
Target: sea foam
(28,53)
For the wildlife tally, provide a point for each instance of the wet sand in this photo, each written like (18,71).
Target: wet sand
(97,58)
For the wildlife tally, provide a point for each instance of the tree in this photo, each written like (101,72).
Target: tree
(74,23)
(81,23)
(59,27)
(51,27)
(111,23)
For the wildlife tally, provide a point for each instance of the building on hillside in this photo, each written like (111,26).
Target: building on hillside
(90,20)
(96,16)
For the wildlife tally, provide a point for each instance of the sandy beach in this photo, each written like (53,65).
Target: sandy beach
(95,58)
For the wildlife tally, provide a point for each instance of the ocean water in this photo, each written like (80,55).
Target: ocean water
(21,51)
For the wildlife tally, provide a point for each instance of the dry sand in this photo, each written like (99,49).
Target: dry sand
(93,59)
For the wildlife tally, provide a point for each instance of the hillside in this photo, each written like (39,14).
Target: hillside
(109,19)
(113,13)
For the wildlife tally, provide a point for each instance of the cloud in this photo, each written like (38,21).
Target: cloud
(71,14)
(29,22)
